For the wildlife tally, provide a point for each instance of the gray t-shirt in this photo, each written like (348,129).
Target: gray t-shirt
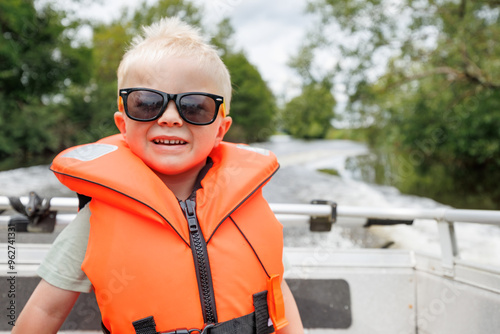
(62,265)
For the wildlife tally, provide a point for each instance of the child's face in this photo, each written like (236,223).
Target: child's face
(169,145)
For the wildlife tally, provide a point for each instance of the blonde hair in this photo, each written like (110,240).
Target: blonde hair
(173,37)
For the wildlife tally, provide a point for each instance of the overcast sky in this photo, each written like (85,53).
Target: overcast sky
(269,31)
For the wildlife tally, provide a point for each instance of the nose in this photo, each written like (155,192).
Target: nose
(170,116)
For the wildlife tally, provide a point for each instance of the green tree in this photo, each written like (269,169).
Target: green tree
(425,73)
(309,115)
(184,9)
(39,63)
(253,105)
(94,105)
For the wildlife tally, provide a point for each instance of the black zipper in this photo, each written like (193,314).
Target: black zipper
(201,262)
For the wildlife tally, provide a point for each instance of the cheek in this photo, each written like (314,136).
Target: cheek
(135,129)
(209,139)
(135,136)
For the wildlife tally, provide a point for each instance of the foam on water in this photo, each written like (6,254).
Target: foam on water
(20,181)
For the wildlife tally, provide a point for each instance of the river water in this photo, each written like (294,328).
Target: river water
(299,181)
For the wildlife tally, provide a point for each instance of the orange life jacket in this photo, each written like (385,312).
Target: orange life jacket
(143,258)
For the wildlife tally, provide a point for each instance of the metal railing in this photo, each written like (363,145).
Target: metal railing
(320,215)
(64,204)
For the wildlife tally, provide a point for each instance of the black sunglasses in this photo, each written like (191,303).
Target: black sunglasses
(144,105)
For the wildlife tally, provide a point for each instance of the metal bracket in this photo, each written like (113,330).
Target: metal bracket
(36,216)
(323,223)
(449,247)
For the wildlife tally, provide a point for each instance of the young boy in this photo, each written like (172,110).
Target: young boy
(180,235)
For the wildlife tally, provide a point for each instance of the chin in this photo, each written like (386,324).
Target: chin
(169,170)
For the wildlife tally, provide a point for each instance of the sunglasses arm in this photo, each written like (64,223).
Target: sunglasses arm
(223,109)
(121,107)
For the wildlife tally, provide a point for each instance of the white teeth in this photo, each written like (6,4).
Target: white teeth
(169,142)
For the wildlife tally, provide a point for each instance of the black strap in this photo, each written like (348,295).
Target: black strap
(262,313)
(145,326)
(243,325)
(256,322)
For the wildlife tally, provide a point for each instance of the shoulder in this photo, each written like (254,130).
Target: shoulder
(243,152)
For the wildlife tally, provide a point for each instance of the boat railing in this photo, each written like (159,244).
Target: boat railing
(366,216)
(319,214)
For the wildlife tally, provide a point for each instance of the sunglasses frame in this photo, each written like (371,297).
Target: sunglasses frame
(219,101)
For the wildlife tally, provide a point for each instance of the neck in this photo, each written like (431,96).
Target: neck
(181,184)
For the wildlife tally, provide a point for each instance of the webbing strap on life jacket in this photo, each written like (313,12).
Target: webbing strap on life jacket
(256,322)
(261,313)
(145,326)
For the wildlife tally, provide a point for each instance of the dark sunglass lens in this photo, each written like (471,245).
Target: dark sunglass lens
(144,105)
(198,109)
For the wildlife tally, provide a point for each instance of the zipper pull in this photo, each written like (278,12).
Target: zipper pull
(188,206)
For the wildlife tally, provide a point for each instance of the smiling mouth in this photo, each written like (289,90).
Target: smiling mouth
(169,142)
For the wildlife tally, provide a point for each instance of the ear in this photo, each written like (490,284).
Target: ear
(120,116)
(120,122)
(224,126)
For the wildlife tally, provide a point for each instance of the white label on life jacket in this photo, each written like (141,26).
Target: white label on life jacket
(259,150)
(90,152)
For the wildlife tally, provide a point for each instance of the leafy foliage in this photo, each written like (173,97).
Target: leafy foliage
(253,106)
(38,65)
(308,115)
(425,74)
